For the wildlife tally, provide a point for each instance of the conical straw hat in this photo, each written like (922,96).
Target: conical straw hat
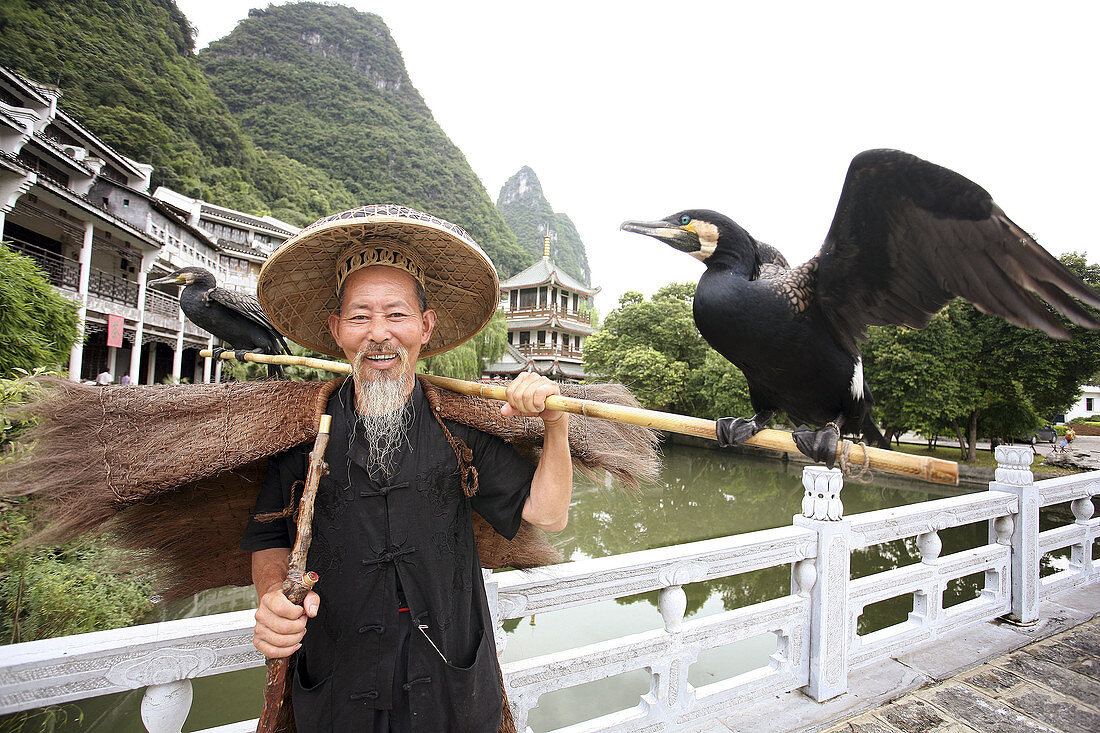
(298,284)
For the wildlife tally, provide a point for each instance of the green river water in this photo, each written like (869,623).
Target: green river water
(702,494)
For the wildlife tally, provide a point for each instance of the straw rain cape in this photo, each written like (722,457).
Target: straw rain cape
(172,472)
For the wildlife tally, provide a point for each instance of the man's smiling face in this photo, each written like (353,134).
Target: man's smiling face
(381,312)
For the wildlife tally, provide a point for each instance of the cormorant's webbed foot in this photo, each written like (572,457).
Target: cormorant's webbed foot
(819,445)
(736,430)
(239,353)
(217,351)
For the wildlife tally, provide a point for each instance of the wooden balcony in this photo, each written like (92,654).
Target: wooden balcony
(548,311)
(554,352)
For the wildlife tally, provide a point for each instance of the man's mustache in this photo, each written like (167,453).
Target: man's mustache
(377,349)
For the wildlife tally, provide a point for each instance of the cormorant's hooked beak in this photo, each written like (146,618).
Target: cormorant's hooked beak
(683,238)
(170,280)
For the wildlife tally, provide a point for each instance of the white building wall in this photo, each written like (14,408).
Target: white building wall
(1087,404)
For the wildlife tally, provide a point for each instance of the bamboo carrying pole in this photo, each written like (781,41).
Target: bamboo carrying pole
(933,470)
(276,716)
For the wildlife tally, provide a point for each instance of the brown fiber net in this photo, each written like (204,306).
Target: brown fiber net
(172,472)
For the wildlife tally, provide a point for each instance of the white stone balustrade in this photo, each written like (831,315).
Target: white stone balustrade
(665,653)
(815,626)
(162,658)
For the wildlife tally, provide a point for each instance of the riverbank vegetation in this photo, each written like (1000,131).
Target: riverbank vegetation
(47,591)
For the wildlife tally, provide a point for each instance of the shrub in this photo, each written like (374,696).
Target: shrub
(38,326)
(55,591)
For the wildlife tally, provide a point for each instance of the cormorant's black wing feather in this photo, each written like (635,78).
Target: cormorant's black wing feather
(908,236)
(248,307)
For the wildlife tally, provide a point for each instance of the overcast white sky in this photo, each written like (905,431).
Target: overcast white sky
(635,110)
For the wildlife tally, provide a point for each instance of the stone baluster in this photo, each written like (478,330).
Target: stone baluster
(930,546)
(672,603)
(668,686)
(1014,476)
(927,606)
(1081,554)
(164,708)
(1002,530)
(830,631)
(804,574)
(166,673)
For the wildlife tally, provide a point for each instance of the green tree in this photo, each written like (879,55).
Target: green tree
(653,347)
(976,375)
(921,379)
(38,326)
(468,360)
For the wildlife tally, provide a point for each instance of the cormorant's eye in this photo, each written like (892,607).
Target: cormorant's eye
(685,220)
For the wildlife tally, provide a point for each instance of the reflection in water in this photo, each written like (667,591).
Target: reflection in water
(702,494)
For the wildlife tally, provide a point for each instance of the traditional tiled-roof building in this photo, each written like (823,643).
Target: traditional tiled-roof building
(84,214)
(549,317)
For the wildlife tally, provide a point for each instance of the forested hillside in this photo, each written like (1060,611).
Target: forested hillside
(302,111)
(128,71)
(326,86)
(528,214)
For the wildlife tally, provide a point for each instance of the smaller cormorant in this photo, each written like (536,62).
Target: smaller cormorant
(907,237)
(235,318)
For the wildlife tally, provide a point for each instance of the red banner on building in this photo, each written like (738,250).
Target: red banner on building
(114,330)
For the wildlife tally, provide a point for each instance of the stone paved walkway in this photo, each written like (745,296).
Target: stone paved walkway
(1049,685)
(991,677)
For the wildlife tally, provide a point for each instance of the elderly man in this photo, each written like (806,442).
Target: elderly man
(397,635)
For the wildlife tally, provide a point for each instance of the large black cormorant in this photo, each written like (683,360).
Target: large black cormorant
(235,318)
(907,237)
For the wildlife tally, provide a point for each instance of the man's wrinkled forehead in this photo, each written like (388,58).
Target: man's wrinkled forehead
(381,281)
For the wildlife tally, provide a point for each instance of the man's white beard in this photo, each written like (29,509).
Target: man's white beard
(382,405)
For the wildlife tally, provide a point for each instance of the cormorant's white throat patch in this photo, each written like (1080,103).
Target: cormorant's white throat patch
(857,379)
(708,239)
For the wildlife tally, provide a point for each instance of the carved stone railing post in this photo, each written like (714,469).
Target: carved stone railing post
(1014,476)
(829,592)
(491,595)
(822,498)
(502,606)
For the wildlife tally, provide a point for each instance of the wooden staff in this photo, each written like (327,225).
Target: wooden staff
(933,470)
(276,716)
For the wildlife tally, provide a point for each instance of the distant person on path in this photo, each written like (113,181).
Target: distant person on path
(125,381)
(104,378)
(1067,439)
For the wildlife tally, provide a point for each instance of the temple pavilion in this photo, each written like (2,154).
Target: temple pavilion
(549,315)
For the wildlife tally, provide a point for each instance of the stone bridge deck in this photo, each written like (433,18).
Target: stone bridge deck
(994,677)
(1049,685)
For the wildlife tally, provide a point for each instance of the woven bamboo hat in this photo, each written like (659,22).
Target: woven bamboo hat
(299,284)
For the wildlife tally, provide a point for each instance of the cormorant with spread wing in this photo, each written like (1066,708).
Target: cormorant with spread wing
(235,318)
(907,237)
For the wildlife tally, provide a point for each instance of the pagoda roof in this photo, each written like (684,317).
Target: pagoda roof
(543,272)
(513,362)
(549,320)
